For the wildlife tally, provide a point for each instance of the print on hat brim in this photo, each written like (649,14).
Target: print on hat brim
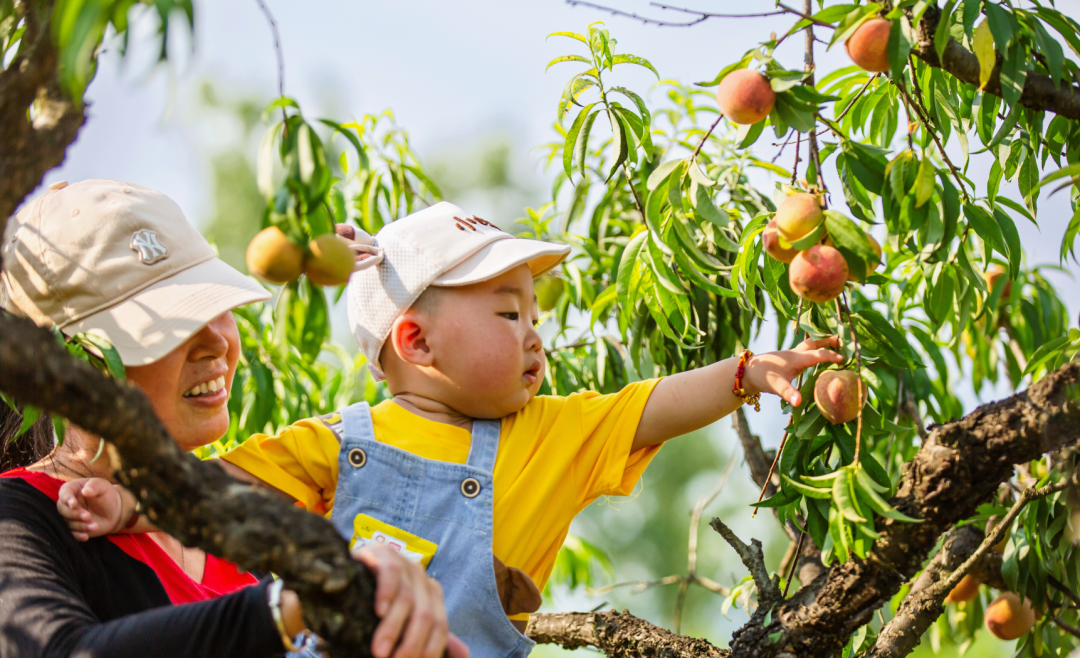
(153,322)
(501,256)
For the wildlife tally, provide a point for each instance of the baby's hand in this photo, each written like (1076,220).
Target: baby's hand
(773,372)
(92,507)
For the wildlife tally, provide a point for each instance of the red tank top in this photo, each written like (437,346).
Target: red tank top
(220,577)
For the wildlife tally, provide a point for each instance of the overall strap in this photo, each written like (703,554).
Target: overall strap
(485,444)
(356,423)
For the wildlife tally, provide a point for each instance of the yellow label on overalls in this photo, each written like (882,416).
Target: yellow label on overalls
(367,530)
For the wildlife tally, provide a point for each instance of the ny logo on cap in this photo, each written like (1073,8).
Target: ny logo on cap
(146,243)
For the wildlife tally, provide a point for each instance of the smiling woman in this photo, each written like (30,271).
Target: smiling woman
(121,261)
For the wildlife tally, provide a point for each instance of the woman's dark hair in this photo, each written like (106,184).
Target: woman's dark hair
(33,445)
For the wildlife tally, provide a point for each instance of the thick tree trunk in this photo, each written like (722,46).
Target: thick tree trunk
(617,635)
(958,468)
(192,500)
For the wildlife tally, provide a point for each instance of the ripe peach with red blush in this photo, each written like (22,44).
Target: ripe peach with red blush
(745,96)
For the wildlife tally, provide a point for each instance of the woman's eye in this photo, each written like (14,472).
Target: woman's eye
(510,316)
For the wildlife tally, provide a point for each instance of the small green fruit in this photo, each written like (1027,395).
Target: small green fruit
(549,288)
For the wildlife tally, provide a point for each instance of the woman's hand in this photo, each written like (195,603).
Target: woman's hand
(92,507)
(773,372)
(410,606)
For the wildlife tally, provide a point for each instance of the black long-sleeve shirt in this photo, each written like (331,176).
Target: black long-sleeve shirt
(61,598)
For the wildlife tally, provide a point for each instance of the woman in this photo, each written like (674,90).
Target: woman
(121,261)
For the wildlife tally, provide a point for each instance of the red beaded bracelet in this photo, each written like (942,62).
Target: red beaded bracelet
(738,389)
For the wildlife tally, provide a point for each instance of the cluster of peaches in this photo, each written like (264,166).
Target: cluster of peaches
(274,257)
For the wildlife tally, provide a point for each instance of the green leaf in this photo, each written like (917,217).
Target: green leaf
(566,58)
(634,59)
(581,148)
(843,495)
(808,491)
(880,506)
(660,174)
(571,35)
(983,46)
(779,499)
(986,227)
(109,355)
(570,145)
(30,416)
(924,182)
(941,35)
(1012,241)
(852,243)
(900,41)
(627,265)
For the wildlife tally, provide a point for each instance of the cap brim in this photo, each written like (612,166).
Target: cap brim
(153,322)
(503,255)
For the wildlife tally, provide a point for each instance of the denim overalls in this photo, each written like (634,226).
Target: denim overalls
(444,503)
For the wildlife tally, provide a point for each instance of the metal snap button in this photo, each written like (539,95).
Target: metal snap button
(470,488)
(357,458)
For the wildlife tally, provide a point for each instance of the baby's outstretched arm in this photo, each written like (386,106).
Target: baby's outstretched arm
(94,507)
(691,400)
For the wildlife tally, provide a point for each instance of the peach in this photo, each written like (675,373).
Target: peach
(745,96)
(799,215)
(836,394)
(965,590)
(771,240)
(272,256)
(331,260)
(1009,618)
(868,47)
(993,274)
(818,274)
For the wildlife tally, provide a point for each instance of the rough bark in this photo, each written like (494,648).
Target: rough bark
(1040,92)
(617,635)
(192,500)
(959,467)
(29,148)
(922,605)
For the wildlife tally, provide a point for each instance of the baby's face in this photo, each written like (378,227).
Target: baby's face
(489,357)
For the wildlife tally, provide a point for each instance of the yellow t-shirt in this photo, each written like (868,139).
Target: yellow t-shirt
(556,456)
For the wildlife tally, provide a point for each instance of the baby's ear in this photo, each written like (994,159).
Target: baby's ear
(408,339)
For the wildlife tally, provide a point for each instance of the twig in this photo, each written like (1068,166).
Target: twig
(794,563)
(754,560)
(793,133)
(858,364)
(638,585)
(853,99)
(923,116)
(1067,627)
(1060,586)
(795,165)
(783,440)
(693,157)
(280,56)
(1026,496)
(630,181)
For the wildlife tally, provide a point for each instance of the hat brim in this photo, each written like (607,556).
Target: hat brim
(503,255)
(156,320)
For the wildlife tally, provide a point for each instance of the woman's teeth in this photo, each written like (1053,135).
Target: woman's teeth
(206,388)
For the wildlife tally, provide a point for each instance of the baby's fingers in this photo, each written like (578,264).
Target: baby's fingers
(814,357)
(96,487)
(808,344)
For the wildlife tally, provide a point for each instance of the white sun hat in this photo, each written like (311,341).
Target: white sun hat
(439,246)
(120,261)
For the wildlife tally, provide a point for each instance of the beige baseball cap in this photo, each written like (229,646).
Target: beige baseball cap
(118,260)
(439,246)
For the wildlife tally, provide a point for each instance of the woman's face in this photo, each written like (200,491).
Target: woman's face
(189,387)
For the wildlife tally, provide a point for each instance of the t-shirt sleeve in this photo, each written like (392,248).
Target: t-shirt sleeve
(301,460)
(604,464)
